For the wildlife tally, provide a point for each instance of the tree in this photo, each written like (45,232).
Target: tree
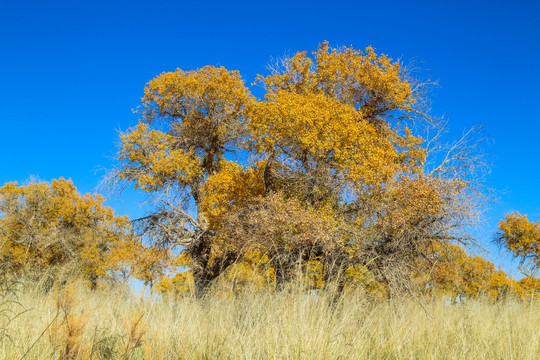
(323,169)
(198,117)
(287,232)
(520,236)
(531,287)
(460,276)
(332,129)
(151,263)
(51,228)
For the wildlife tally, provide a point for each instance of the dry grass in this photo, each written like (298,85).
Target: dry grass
(115,325)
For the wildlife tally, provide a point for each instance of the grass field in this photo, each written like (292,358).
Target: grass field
(79,324)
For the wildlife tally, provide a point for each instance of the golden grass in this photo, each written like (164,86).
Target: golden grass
(116,325)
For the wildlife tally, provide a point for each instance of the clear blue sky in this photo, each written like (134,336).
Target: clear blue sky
(70,73)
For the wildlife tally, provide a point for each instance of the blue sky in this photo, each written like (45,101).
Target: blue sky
(70,73)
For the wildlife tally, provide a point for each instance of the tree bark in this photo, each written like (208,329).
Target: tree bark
(204,270)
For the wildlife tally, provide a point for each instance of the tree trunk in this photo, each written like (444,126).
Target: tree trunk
(204,270)
(200,255)
(93,281)
(283,271)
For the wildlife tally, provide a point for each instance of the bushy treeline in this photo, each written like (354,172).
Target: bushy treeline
(338,177)
(52,233)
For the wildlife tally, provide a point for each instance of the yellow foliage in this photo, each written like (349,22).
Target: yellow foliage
(149,262)
(179,284)
(154,151)
(521,237)
(530,287)
(230,189)
(321,128)
(363,79)
(358,276)
(334,110)
(408,202)
(253,274)
(454,273)
(322,171)
(194,95)
(47,226)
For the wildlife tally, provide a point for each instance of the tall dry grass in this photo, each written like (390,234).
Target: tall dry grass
(288,325)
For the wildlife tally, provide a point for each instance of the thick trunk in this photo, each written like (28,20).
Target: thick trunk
(200,255)
(206,270)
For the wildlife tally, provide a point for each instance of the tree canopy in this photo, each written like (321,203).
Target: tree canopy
(50,228)
(328,167)
(520,236)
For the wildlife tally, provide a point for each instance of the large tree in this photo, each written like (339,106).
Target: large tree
(190,121)
(330,166)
